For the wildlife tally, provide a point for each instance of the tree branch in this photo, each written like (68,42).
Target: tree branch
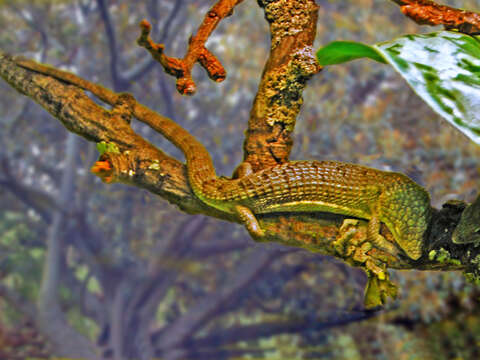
(119,83)
(198,315)
(279,98)
(137,162)
(231,335)
(141,164)
(138,71)
(427,12)
(197,52)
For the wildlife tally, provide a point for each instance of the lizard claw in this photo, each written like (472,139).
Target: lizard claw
(366,254)
(378,291)
(347,231)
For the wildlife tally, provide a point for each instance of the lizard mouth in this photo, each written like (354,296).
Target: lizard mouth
(456,238)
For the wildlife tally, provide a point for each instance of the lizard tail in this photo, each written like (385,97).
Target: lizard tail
(200,167)
(199,164)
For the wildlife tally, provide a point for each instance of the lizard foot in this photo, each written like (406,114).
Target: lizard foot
(379,288)
(378,291)
(353,247)
(346,243)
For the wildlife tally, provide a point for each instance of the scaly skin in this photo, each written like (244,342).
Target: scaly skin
(327,186)
(468,228)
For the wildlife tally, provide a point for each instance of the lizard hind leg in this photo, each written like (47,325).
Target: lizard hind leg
(244,169)
(247,218)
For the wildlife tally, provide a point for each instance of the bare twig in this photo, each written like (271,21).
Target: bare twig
(197,52)
(142,68)
(427,12)
(137,162)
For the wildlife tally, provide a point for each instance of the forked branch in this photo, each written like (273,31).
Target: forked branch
(197,52)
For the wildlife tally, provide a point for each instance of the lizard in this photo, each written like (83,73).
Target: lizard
(297,186)
(468,228)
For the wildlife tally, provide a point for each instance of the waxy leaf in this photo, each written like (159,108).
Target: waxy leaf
(443,68)
(338,52)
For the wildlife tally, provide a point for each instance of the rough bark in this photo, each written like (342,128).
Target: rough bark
(279,98)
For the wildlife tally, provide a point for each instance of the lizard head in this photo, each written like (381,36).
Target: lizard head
(468,228)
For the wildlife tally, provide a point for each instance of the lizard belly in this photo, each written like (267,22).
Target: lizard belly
(314,205)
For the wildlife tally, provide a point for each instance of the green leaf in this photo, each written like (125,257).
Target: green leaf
(102,147)
(105,147)
(338,52)
(443,68)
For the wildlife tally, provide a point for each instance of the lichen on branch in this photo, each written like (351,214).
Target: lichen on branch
(279,98)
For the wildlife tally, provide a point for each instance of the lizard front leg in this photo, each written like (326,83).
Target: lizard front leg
(377,240)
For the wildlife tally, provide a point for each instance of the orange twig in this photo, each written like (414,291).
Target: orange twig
(197,52)
(427,12)
(103,170)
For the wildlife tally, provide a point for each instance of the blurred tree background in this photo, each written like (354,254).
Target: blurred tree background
(138,278)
